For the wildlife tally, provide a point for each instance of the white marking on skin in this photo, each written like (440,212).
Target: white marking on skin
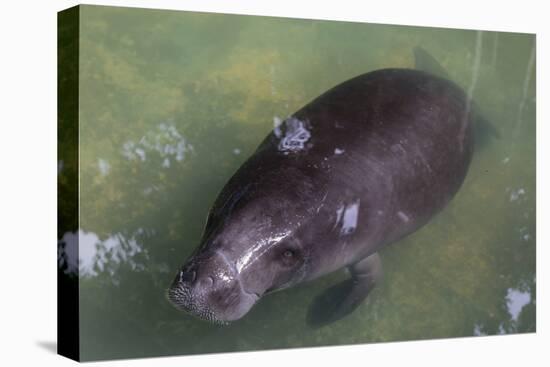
(322,202)
(404,217)
(295,137)
(349,220)
(339,213)
(338,151)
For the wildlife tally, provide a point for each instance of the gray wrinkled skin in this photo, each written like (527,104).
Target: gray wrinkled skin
(361,166)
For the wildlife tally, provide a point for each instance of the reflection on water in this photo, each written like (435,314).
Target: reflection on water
(475,70)
(173,103)
(526,82)
(103,166)
(67,255)
(97,256)
(516,300)
(85,254)
(166,141)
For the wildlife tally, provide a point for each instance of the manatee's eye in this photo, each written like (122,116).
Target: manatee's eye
(289,257)
(288,254)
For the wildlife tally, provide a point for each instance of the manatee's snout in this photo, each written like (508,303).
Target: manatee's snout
(209,287)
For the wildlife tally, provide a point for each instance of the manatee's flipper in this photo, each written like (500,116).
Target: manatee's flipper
(484,130)
(343,298)
(425,62)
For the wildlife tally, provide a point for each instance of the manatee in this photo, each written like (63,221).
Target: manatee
(366,163)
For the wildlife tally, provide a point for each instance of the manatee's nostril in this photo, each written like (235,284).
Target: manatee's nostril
(188,276)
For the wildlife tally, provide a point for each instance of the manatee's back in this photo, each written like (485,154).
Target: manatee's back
(399,140)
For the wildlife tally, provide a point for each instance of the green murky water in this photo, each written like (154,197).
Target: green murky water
(173,102)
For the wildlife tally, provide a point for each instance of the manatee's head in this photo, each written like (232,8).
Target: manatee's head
(246,251)
(210,288)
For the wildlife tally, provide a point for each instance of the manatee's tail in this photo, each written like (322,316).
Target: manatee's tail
(484,130)
(426,62)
